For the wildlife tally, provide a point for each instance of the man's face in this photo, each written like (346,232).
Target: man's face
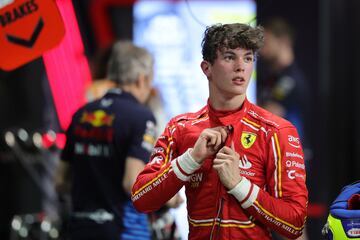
(231,71)
(270,50)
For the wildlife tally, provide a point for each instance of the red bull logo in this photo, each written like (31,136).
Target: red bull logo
(97,118)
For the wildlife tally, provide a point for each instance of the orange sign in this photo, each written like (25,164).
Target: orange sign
(27,29)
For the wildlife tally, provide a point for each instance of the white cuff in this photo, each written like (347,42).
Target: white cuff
(184,166)
(242,192)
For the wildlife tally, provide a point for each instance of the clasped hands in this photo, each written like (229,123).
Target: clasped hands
(226,162)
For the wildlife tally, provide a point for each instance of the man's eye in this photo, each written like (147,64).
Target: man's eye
(249,59)
(229,57)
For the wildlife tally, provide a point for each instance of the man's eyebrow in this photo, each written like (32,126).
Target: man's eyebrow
(249,52)
(230,51)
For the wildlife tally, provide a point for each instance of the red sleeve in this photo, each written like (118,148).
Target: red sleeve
(164,175)
(282,206)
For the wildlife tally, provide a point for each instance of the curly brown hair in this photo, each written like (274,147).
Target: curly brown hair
(223,36)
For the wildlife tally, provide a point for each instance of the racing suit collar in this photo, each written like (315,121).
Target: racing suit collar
(227,117)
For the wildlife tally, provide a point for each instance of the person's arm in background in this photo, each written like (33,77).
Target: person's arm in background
(157,183)
(132,170)
(133,167)
(62,177)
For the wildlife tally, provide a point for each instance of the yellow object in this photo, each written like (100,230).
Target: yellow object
(337,229)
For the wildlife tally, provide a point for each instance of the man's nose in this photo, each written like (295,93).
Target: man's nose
(239,65)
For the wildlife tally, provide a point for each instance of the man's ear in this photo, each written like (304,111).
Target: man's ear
(140,81)
(206,68)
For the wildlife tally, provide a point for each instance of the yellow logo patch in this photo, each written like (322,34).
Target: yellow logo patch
(97,118)
(247,139)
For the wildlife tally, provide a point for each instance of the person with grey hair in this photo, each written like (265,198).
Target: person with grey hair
(108,143)
(242,167)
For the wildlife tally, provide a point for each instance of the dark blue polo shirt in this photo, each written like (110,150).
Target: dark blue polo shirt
(101,136)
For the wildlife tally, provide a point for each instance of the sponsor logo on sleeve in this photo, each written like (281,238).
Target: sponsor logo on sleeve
(247,139)
(294,155)
(294,141)
(149,136)
(295,164)
(157,160)
(157,150)
(292,174)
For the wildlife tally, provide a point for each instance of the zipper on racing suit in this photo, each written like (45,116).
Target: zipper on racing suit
(217,221)
(217,218)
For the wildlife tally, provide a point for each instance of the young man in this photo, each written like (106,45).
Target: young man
(108,143)
(242,166)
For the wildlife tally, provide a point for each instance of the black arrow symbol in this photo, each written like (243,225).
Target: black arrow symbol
(27,43)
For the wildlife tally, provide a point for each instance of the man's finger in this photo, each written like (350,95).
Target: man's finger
(217,162)
(224,133)
(225,150)
(220,155)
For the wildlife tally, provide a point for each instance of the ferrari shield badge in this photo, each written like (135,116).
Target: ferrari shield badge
(247,139)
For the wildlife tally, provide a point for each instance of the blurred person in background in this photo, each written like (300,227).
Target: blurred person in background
(100,84)
(282,86)
(232,156)
(162,223)
(108,143)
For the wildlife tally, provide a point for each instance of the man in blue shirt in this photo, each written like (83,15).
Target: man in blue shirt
(108,143)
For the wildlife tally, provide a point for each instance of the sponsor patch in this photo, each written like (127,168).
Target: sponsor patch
(294,141)
(292,174)
(149,136)
(244,163)
(351,227)
(196,179)
(97,118)
(247,139)
(157,160)
(295,164)
(353,232)
(157,150)
(295,155)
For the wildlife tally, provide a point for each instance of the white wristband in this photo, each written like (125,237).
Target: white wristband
(242,192)
(184,166)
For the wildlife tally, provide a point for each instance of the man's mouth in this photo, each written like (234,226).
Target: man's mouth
(238,80)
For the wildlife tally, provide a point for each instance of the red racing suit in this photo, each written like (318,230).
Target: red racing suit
(271,195)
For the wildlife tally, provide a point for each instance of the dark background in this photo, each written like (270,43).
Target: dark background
(327,48)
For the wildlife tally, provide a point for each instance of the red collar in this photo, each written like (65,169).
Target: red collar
(220,117)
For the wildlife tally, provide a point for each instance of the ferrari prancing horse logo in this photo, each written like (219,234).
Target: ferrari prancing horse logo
(247,139)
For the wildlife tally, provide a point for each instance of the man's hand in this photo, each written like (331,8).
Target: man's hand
(208,143)
(226,163)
